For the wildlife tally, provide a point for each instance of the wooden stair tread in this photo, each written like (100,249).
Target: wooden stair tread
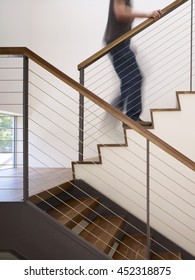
(72,211)
(132,248)
(44,195)
(103,231)
(166,256)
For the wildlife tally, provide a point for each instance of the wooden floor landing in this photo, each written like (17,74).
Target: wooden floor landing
(11,181)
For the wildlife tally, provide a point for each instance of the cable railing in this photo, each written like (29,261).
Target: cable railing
(126,180)
(134,168)
(65,203)
(11,139)
(163,51)
(144,25)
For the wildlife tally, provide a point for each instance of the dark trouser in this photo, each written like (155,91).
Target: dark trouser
(128,71)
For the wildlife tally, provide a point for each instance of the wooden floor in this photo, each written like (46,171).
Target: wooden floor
(11,181)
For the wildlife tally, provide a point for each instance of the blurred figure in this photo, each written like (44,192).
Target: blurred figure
(120,18)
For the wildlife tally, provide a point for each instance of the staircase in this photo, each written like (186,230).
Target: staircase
(89,213)
(104,206)
(89,217)
(110,231)
(116,169)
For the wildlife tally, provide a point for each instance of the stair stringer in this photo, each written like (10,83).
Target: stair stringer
(116,176)
(176,126)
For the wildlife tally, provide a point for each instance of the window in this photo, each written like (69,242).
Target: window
(7,141)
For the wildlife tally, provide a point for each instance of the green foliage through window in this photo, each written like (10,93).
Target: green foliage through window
(6,134)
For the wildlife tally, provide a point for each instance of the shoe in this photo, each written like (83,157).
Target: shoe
(144,123)
(139,121)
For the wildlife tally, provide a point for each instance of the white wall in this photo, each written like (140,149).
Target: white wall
(64,32)
(67,32)
(15,23)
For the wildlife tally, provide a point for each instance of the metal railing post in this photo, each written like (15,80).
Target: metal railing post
(81,118)
(25,130)
(148,197)
(15,144)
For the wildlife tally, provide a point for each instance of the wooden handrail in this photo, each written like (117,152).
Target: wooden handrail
(128,35)
(100,102)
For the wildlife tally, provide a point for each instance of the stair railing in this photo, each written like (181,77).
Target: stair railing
(164,50)
(41,117)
